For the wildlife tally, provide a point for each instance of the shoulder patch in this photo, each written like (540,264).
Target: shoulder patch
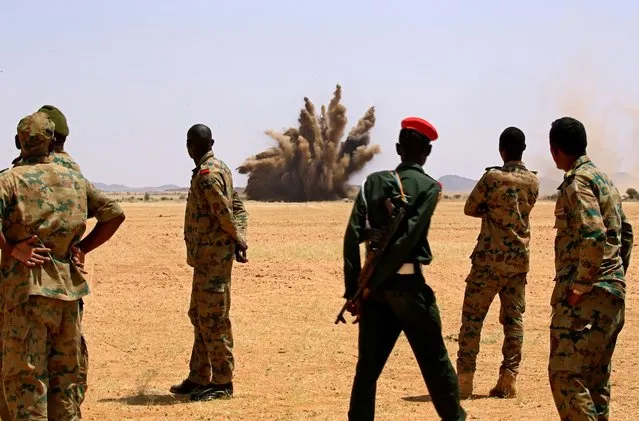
(204,171)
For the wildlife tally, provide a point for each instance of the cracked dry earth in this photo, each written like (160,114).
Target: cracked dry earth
(293,363)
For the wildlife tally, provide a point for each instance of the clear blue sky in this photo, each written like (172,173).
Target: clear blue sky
(133,76)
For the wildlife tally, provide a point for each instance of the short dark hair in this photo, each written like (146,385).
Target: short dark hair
(568,135)
(413,142)
(512,141)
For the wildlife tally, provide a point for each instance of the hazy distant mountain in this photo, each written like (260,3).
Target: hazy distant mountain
(624,181)
(457,184)
(454,184)
(119,188)
(463,185)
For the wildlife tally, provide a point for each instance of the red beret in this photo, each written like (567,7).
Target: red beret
(420,125)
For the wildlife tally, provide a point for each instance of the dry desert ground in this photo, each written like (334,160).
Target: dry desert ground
(293,363)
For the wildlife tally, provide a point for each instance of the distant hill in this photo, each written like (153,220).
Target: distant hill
(457,184)
(119,188)
(452,183)
(462,185)
(624,181)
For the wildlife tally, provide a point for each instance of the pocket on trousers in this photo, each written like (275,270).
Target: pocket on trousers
(19,352)
(569,342)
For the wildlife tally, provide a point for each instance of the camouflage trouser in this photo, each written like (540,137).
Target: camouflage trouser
(482,285)
(582,341)
(82,383)
(212,356)
(40,360)
(4,410)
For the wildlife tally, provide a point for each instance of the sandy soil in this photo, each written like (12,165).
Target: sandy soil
(293,363)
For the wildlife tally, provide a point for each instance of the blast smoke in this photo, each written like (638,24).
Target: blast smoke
(311,163)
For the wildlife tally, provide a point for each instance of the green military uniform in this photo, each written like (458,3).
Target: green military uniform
(41,334)
(403,302)
(592,253)
(503,198)
(215,222)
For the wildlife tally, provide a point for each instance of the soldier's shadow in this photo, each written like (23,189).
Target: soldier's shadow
(144,399)
(427,398)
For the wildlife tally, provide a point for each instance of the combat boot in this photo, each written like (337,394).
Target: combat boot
(187,387)
(506,386)
(465,385)
(214,391)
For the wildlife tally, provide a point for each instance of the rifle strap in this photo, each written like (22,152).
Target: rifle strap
(402,195)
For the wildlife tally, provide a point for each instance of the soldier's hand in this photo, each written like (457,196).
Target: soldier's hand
(29,253)
(78,258)
(240,252)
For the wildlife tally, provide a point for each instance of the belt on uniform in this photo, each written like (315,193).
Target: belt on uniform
(408,268)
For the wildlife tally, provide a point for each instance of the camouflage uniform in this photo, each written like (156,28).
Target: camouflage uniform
(41,333)
(215,222)
(592,253)
(60,158)
(503,198)
(64,159)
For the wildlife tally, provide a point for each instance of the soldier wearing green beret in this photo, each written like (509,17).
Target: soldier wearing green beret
(41,274)
(60,157)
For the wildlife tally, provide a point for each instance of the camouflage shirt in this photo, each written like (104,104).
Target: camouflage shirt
(594,238)
(60,158)
(503,198)
(215,218)
(44,199)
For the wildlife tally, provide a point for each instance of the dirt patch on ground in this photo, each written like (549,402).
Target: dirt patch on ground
(293,363)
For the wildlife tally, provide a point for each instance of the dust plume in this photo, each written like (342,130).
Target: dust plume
(310,162)
(609,112)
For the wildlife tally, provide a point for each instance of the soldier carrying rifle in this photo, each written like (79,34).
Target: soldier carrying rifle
(392,296)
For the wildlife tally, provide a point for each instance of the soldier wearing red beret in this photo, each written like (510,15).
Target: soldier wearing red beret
(397,298)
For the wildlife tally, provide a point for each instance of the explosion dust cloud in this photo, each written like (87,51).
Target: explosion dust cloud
(311,163)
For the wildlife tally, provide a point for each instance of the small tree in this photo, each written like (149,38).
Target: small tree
(147,196)
(632,194)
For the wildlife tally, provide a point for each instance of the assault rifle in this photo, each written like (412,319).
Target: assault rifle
(375,254)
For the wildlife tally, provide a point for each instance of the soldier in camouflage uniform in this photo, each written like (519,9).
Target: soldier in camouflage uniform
(60,157)
(503,199)
(215,234)
(592,253)
(40,226)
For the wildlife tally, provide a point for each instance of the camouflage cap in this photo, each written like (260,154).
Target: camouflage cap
(35,132)
(58,119)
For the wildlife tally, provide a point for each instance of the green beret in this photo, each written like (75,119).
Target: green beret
(58,119)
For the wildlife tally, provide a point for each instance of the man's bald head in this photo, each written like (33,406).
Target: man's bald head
(199,140)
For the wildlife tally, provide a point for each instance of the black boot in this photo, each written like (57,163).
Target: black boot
(214,391)
(187,387)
